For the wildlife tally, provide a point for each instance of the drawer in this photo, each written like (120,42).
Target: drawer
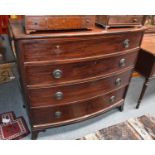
(59,22)
(65,49)
(126,20)
(35,23)
(79,92)
(38,76)
(74,112)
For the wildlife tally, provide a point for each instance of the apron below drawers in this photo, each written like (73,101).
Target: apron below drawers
(61,95)
(43,117)
(45,75)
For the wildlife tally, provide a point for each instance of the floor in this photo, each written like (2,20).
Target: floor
(11,100)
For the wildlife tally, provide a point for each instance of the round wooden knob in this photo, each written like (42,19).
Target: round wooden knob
(135,20)
(57,46)
(87,20)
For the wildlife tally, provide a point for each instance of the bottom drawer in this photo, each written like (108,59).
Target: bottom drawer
(59,115)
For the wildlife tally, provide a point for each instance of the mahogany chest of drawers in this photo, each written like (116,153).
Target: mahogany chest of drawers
(120,20)
(71,76)
(65,22)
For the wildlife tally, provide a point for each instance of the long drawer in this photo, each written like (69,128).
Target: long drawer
(62,49)
(65,22)
(74,93)
(38,76)
(126,20)
(73,112)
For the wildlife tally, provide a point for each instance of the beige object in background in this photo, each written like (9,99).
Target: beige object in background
(6,73)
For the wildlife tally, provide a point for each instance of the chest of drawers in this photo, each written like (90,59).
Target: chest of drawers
(120,20)
(71,76)
(65,22)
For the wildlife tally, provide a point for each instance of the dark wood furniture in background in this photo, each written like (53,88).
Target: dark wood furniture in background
(108,21)
(65,22)
(150,24)
(71,76)
(4,20)
(146,62)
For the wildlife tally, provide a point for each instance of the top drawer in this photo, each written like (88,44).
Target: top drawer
(61,49)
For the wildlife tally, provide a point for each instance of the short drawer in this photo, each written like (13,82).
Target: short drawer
(74,93)
(74,112)
(62,49)
(126,20)
(59,74)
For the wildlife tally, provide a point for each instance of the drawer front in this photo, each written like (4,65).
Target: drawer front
(59,22)
(126,20)
(35,23)
(58,114)
(75,93)
(59,74)
(71,22)
(62,49)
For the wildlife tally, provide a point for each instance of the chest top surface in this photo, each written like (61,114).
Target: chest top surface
(18,32)
(148,43)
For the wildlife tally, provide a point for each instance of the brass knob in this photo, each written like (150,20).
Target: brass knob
(58,114)
(112,99)
(126,43)
(57,73)
(87,20)
(59,95)
(118,82)
(135,20)
(122,62)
